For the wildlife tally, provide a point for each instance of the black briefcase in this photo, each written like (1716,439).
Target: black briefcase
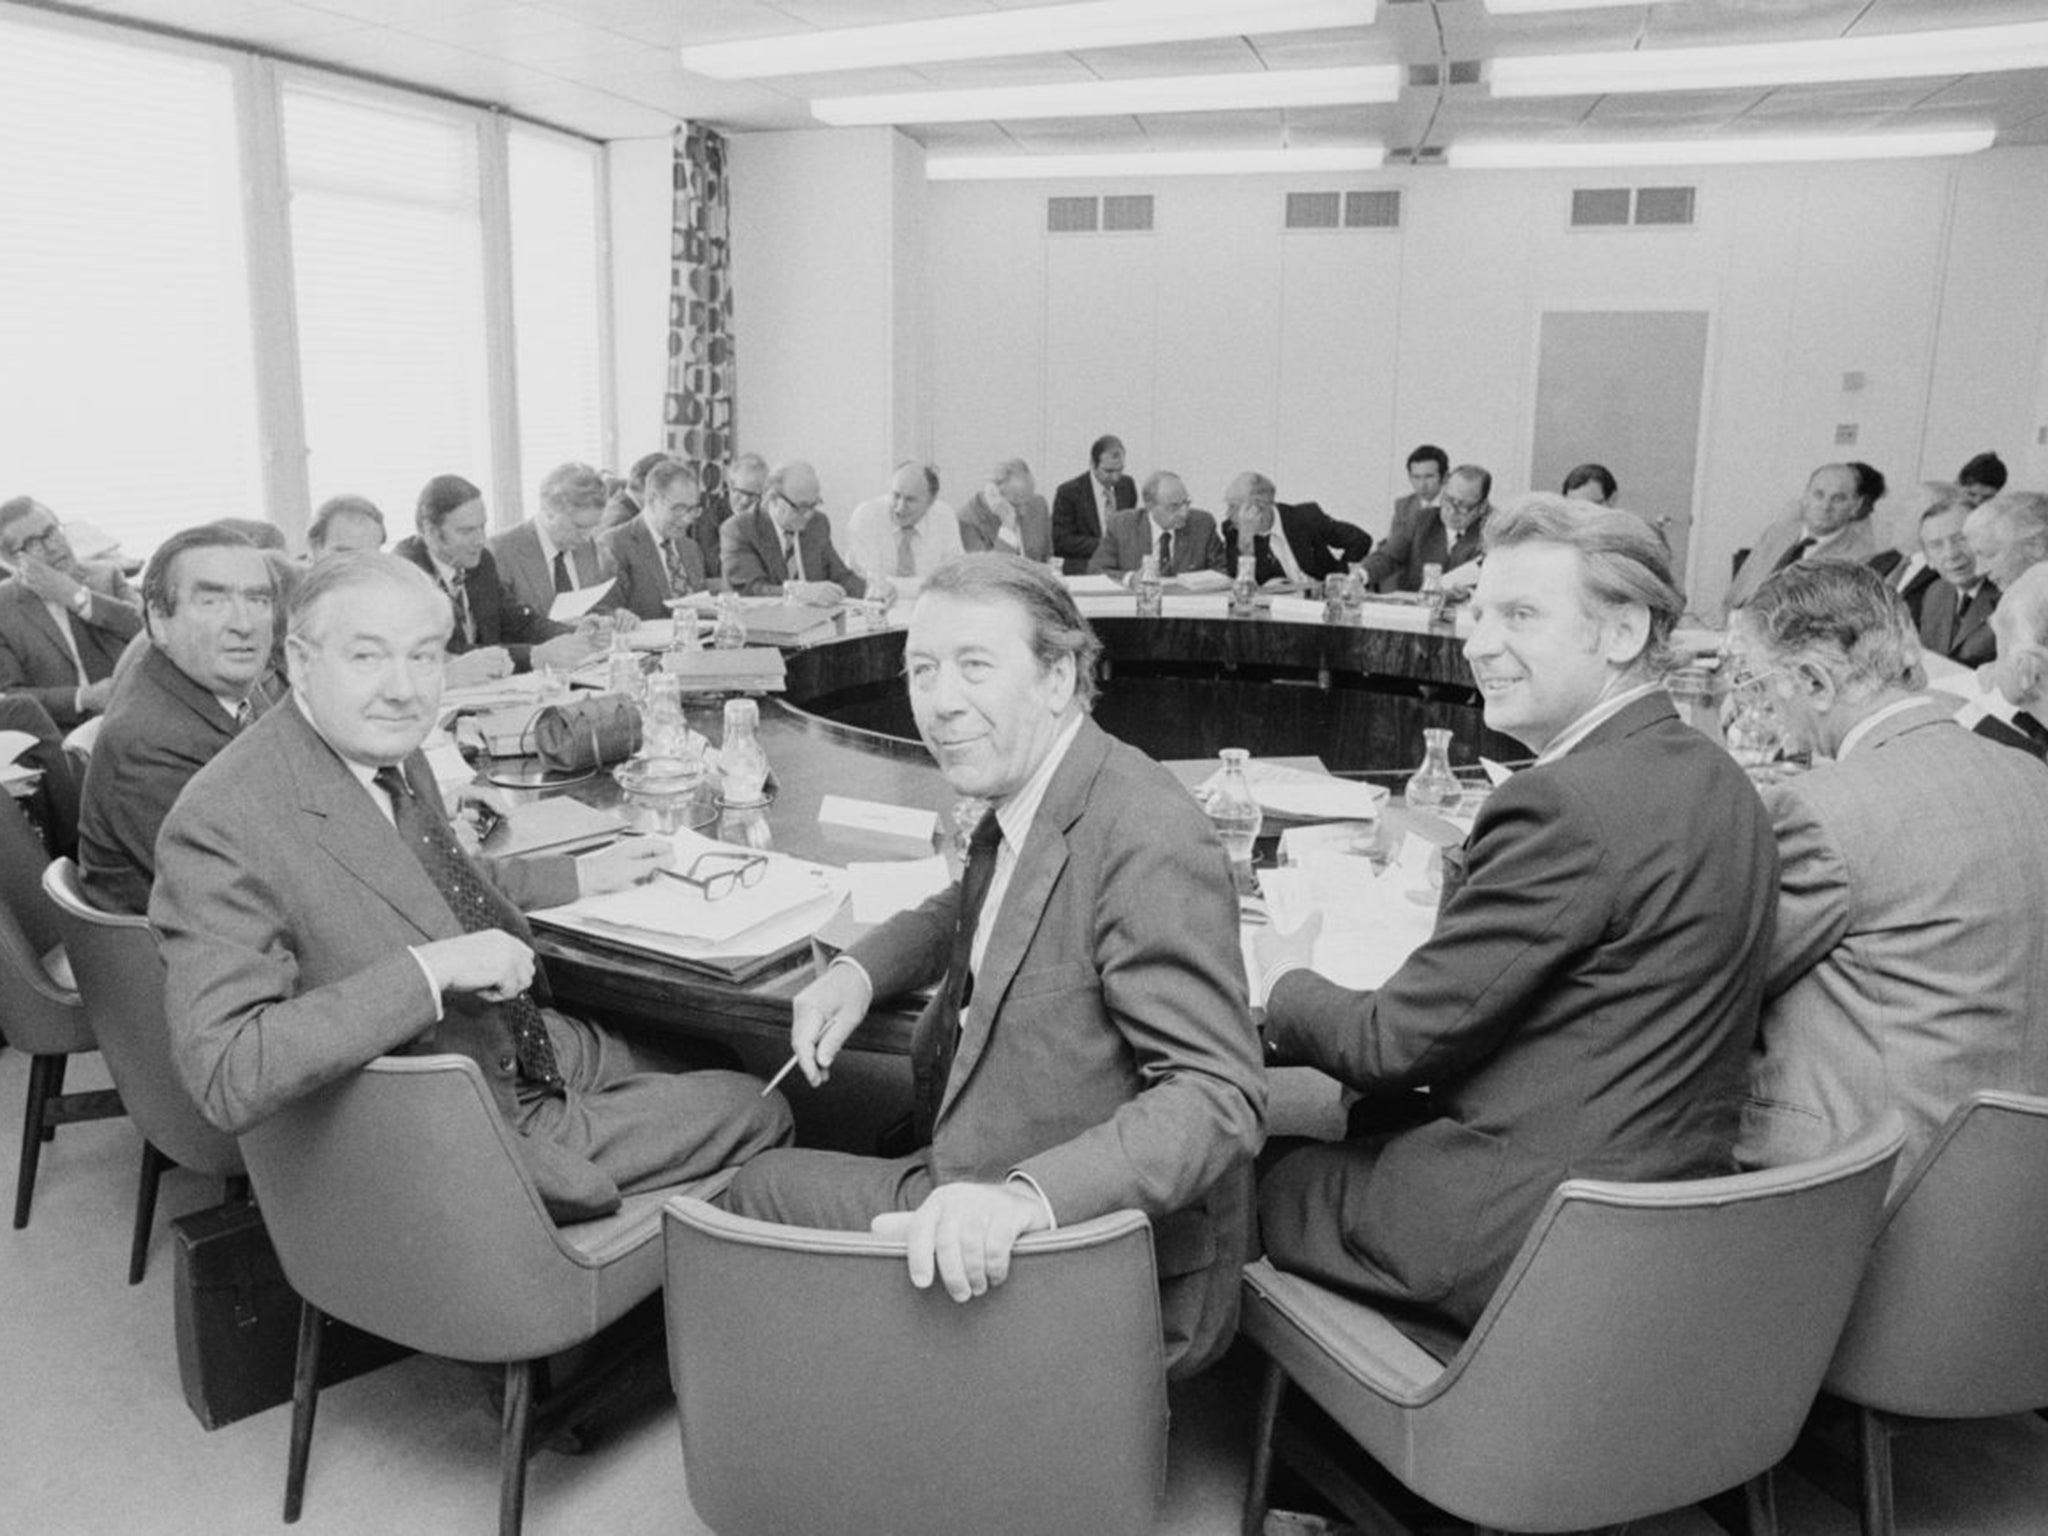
(237,1320)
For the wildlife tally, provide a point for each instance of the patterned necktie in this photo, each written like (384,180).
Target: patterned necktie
(930,1077)
(678,573)
(458,594)
(906,553)
(456,878)
(563,581)
(792,567)
(1166,552)
(244,713)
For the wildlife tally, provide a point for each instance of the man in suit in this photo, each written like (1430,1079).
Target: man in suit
(1083,506)
(786,540)
(906,534)
(1831,522)
(555,551)
(1910,962)
(2012,710)
(1181,537)
(1427,467)
(745,483)
(627,501)
(342,525)
(2008,536)
(1312,544)
(63,623)
(1940,549)
(1449,535)
(656,555)
(315,912)
(1088,1048)
(210,602)
(1956,609)
(493,634)
(1008,515)
(1586,1004)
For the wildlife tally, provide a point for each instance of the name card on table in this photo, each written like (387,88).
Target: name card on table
(873,816)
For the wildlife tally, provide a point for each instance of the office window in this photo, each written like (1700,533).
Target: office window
(388,272)
(127,393)
(556,307)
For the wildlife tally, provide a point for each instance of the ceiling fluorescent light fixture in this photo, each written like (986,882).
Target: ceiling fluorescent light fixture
(1531,7)
(1005,34)
(1521,155)
(1203,162)
(1894,56)
(1370,83)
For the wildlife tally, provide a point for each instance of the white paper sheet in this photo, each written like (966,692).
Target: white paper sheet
(874,816)
(571,606)
(880,891)
(669,906)
(12,745)
(1371,923)
(1095,586)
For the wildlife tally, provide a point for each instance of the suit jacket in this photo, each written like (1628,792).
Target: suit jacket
(53,807)
(1857,542)
(1406,510)
(979,528)
(1130,537)
(160,729)
(2024,732)
(1108,1052)
(1964,637)
(711,521)
(284,905)
(1396,566)
(750,550)
(501,619)
(1585,1008)
(33,657)
(1322,545)
(634,554)
(1077,518)
(1910,959)
(529,577)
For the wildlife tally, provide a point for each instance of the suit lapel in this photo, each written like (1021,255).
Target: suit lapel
(1039,864)
(36,613)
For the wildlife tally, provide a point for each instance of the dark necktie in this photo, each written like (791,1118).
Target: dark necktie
(1165,553)
(1795,554)
(458,594)
(564,582)
(678,573)
(1265,566)
(456,878)
(931,1073)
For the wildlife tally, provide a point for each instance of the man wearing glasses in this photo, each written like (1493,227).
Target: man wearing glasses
(746,480)
(1449,535)
(63,624)
(208,598)
(785,547)
(315,912)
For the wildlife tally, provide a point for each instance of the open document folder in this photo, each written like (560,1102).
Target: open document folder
(667,916)
(1372,920)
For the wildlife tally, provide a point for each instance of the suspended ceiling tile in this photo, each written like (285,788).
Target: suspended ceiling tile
(1066,135)
(960,138)
(673,23)
(733,103)
(1702,25)
(257,22)
(844,82)
(1926,15)
(597,113)
(392,13)
(1211,125)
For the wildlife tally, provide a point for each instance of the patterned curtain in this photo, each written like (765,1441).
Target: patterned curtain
(697,414)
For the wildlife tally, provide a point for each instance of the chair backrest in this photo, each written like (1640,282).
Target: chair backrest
(121,981)
(1952,1317)
(397,1203)
(1653,1343)
(820,1391)
(37,1016)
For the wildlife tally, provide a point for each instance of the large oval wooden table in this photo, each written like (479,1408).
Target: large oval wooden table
(1354,695)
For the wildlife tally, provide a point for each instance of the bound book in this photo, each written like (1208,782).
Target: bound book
(754,669)
(788,624)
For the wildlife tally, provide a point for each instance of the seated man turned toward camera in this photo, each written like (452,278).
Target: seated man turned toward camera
(1910,963)
(1586,1003)
(315,912)
(63,623)
(1088,1047)
(209,599)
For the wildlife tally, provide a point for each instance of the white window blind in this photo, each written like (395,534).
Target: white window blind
(127,394)
(388,267)
(555,302)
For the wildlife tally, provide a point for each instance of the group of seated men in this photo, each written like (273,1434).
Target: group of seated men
(1642,967)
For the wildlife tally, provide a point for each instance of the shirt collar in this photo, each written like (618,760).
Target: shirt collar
(1594,718)
(449,576)
(1016,814)
(361,773)
(1823,541)
(1871,721)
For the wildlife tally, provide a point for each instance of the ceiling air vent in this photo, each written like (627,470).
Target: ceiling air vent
(1314,210)
(1070,215)
(1597,206)
(1664,205)
(1464,72)
(1127,215)
(1372,210)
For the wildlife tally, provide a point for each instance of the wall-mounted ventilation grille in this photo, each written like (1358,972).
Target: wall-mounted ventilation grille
(1071,215)
(1372,210)
(1616,207)
(1344,210)
(1313,210)
(1129,214)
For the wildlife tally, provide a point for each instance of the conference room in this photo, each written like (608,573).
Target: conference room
(933,263)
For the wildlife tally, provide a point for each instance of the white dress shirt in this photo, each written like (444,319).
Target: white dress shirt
(872,538)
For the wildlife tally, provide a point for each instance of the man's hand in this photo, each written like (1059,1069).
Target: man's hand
(629,861)
(881,590)
(93,697)
(47,582)
(486,664)
(1273,950)
(478,811)
(490,963)
(817,594)
(965,1233)
(824,1014)
(568,652)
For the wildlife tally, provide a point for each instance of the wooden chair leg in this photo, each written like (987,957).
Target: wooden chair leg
(153,1165)
(305,1403)
(512,1443)
(1874,1471)
(1272,1387)
(43,1075)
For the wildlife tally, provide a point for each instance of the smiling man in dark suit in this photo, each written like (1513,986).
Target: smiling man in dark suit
(1586,1004)
(1088,1047)
(63,623)
(1083,506)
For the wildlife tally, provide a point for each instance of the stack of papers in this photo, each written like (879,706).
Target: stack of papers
(660,634)
(1372,921)
(788,624)
(1303,795)
(16,779)
(568,607)
(754,669)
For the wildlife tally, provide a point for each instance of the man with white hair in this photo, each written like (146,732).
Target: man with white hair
(555,551)
(2020,674)
(1008,514)
(1909,966)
